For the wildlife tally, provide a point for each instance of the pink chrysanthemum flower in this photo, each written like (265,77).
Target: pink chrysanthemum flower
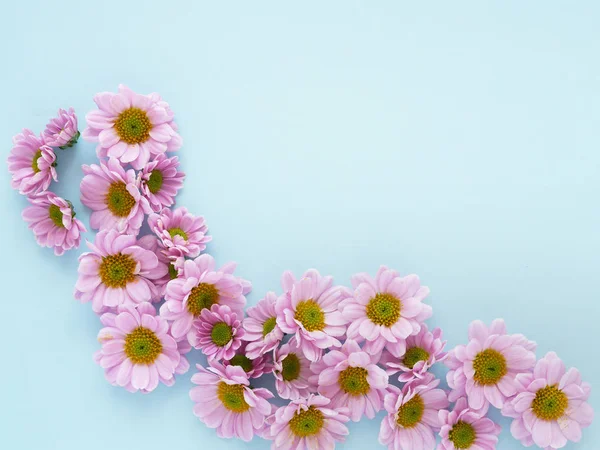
(309,312)
(218,332)
(117,271)
(308,424)
(31,164)
(180,233)
(53,222)
(114,197)
(62,131)
(463,428)
(550,407)
(137,351)
(484,370)
(423,350)
(261,327)
(353,380)
(160,181)
(174,265)
(201,285)
(413,415)
(385,310)
(131,127)
(254,368)
(293,376)
(225,401)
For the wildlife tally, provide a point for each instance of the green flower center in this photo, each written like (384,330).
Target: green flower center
(269,325)
(411,412)
(202,296)
(384,309)
(310,314)
(550,403)
(353,381)
(172,271)
(118,200)
(243,361)
(489,366)
(56,215)
(307,423)
(462,435)
(133,126)
(413,355)
(34,161)
(142,346)
(178,232)
(155,181)
(116,271)
(232,397)
(221,334)
(290,369)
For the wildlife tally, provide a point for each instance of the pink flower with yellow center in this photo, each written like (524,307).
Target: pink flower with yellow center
(31,163)
(160,181)
(292,371)
(218,332)
(261,327)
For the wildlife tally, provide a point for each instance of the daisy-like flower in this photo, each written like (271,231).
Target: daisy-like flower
(254,368)
(218,332)
(62,130)
(225,401)
(423,350)
(180,233)
(160,181)
(117,271)
(261,327)
(385,310)
(353,380)
(131,127)
(309,312)
(201,285)
(484,370)
(308,423)
(113,195)
(293,376)
(31,163)
(53,222)
(413,415)
(174,265)
(137,351)
(550,407)
(463,428)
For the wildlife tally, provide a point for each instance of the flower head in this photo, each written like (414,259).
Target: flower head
(160,181)
(261,327)
(254,368)
(31,163)
(224,400)
(293,376)
(385,310)
(131,127)
(550,407)
(174,265)
(62,131)
(180,233)
(218,332)
(53,222)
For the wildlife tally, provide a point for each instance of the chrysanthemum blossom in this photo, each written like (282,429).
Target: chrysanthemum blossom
(137,351)
(62,130)
(293,376)
(308,424)
(131,127)
(201,285)
(31,163)
(412,415)
(117,271)
(261,327)
(160,181)
(550,407)
(463,428)
(352,379)
(218,332)
(174,265)
(113,195)
(385,310)
(53,222)
(224,400)
(180,233)
(254,367)
(309,312)
(484,370)
(423,350)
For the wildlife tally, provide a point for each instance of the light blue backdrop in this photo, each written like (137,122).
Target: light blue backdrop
(457,140)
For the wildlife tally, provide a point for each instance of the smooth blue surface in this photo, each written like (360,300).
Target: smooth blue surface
(457,140)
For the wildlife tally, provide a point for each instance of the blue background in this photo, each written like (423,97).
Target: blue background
(457,140)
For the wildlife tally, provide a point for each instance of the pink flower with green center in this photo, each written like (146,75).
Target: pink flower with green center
(261,327)
(62,130)
(254,367)
(218,332)
(31,163)
(160,180)
(292,371)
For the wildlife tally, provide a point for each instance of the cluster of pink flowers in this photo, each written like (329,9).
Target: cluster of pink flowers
(32,165)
